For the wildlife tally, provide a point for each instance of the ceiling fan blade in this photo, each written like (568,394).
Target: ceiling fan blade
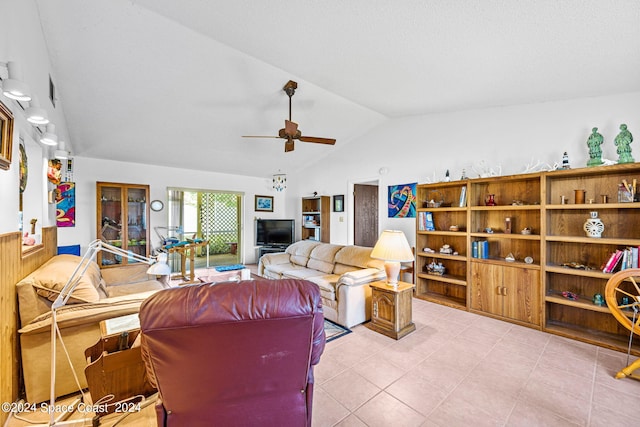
(288,146)
(328,141)
(259,136)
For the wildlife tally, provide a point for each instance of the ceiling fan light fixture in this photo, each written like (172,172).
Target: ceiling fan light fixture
(279,181)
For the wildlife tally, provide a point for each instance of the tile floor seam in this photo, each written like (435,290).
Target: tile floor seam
(466,376)
(526,383)
(593,385)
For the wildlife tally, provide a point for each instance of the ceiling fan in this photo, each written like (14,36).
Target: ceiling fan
(290,131)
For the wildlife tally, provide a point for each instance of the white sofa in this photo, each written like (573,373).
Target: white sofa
(342,273)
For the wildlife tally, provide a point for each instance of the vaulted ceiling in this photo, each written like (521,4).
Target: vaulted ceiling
(177,83)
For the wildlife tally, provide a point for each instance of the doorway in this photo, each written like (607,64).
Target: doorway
(365,211)
(215,216)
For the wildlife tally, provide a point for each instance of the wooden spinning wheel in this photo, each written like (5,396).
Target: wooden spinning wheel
(622,294)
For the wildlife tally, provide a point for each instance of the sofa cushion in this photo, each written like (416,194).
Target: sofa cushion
(327,285)
(133,288)
(299,252)
(131,273)
(356,256)
(301,273)
(342,268)
(322,256)
(51,278)
(280,269)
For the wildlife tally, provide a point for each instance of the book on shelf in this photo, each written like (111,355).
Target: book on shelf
(613,261)
(425,221)
(622,259)
(480,249)
(463,197)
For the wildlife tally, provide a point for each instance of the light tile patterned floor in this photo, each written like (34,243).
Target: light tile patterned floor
(459,369)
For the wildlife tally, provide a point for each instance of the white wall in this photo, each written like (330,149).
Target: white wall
(88,171)
(414,149)
(22,41)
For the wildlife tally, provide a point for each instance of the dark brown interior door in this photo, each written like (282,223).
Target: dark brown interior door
(365,200)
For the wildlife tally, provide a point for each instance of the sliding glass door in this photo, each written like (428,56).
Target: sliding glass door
(214,216)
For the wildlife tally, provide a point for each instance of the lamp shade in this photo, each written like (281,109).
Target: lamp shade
(35,113)
(160,268)
(392,246)
(50,137)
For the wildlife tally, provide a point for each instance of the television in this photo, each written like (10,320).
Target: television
(275,232)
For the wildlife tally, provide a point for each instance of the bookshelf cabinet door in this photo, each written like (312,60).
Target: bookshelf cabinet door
(486,288)
(522,294)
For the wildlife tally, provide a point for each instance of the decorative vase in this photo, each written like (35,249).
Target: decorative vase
(594,226)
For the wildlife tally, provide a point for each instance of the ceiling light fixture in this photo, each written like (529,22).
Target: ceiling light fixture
(279,181)
(35,113)
(13,87)
(50,137)
(61,153)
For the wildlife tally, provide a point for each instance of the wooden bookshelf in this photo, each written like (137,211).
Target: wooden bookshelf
(553,254)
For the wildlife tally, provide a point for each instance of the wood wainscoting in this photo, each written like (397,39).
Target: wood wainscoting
(14,265)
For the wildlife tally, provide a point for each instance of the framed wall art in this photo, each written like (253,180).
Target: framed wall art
(402,200)
(338,203)
(264,204)
(66,204)
(6,136)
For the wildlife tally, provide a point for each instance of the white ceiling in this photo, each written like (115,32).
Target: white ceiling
(177,83)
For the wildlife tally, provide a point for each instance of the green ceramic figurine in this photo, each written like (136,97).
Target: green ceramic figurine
(595,152)
(623,142)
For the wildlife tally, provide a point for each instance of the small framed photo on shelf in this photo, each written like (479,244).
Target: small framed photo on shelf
(264,204)
(338,203)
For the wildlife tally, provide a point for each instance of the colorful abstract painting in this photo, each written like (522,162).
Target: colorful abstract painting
(402,200)
(66,204)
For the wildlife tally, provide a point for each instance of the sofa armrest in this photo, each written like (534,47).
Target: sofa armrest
(272,259)
(359,277)
(275,258)
(89,313)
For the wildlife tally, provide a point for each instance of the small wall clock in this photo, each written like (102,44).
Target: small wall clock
(157,205)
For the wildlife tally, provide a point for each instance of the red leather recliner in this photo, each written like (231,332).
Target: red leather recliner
(234,354)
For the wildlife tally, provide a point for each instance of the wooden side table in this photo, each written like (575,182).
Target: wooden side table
(115,367)
(391,309)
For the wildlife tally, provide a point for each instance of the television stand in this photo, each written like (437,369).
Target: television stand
(270,249)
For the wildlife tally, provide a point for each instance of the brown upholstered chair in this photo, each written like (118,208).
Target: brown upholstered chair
(234,354)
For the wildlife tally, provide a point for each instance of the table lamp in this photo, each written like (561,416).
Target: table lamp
(158,266)
(393,248)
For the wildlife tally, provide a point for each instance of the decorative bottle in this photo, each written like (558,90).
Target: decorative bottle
(593,226)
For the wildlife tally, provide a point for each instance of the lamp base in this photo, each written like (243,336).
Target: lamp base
(392,268)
